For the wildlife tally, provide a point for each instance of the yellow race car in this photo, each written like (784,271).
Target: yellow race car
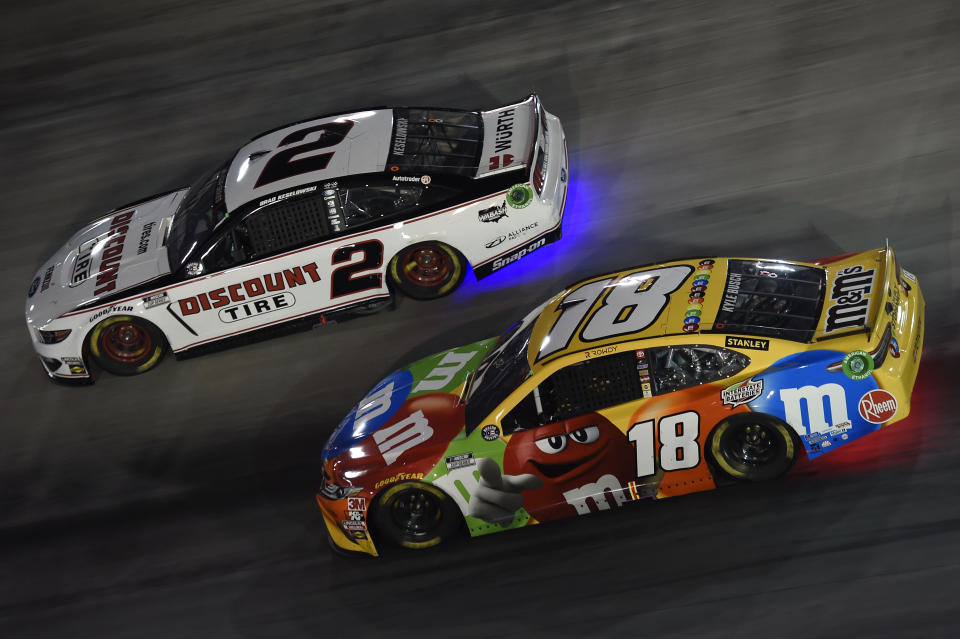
(650,382)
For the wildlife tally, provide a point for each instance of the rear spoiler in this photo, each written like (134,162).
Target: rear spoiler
(510,135)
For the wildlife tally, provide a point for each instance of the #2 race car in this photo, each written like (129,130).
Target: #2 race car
(312,221)
(650,382)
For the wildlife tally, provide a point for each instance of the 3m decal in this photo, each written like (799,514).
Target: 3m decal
(249,289)
(849,299)
(878,406)
(752,343)
(742,392)
(630,305)
(816,399)
(393,441)
(679,448)
(282,164)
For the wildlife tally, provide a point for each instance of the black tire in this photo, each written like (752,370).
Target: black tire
(413,514)
(126,345)
(753,446)
(427,270)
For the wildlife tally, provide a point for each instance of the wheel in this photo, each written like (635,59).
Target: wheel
(415,515)
(428,270)
(753,447)
(125,345)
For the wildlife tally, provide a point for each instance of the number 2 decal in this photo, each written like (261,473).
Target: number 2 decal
(679,449)
(631,305)
(282,165)
(347,279)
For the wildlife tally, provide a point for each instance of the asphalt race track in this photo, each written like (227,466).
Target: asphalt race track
(180,503)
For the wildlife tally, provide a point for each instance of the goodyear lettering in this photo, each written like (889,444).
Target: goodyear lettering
(112,252)
(255,287)
(503,137)
(398,477)
(111,309)
(748,342)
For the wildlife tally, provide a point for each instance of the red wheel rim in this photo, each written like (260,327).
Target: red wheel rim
(126,341)
(427,266)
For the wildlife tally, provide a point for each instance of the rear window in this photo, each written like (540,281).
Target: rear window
(771,299)
(435,140)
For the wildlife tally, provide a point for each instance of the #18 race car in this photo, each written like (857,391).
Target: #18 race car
(315,220)
(651,382)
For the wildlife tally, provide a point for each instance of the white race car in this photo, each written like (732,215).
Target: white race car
(312,221)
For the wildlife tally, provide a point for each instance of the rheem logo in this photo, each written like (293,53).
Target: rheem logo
(878,406)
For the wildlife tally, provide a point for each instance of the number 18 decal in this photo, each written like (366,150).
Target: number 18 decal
(679,449)
(632,304)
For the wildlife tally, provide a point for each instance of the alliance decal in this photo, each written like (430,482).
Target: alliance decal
(241,292)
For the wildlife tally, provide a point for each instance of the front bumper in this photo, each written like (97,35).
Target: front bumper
(344,530)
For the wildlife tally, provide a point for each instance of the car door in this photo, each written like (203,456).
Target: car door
(272,264)
(692,388)
(562,433)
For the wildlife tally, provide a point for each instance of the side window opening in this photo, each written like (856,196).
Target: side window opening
(679,367)
(362,204)
(579,389)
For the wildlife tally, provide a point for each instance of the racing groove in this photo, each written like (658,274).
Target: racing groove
(180,502)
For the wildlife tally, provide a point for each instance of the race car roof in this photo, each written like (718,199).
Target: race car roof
(728,295)
(307,152)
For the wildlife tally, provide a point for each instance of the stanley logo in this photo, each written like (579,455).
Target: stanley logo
(748,342)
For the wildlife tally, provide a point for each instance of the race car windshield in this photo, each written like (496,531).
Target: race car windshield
(499,373)
(200,213)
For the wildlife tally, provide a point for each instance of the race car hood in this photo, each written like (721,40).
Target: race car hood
(407,420)
(111,254)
